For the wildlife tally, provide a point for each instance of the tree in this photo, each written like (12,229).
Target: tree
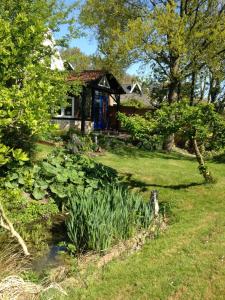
(29,90)
(78,59)
(180,36)
(200,123)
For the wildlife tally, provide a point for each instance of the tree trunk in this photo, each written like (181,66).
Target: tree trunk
(168,143)
(203,88)
(172,95)
(202,166)
(192,96)
(214,89)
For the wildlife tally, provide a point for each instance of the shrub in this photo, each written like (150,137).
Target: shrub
(98,219)
(59,175)
(32,219)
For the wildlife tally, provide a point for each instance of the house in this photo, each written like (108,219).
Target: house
(132,88)
(91,109)
(134,95)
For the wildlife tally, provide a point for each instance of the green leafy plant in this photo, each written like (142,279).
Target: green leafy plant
(59,175)
(30,89)
(31,218)
(11,156)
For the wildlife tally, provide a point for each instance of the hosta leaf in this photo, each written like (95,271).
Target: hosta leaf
(38,193)
(59,190)
(49,169)
(62,177)
(41,184)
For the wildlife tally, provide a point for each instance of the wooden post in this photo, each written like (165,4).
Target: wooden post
(154,203)
(83,110)
(117,110)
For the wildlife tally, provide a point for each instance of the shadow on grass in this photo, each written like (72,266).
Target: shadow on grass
(134,152)
(143,186)
(220,159)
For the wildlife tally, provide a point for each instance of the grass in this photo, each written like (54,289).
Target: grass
(42,151)
(188,260)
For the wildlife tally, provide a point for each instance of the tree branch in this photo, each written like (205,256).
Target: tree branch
(7,225)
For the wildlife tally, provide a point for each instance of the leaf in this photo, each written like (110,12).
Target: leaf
(3,160)
(38,193)
(59,190)
(42,184)
(50,170)
(63,177)
(20,155)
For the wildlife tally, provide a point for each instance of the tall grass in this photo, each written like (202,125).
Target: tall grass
(100,218)
(12,260)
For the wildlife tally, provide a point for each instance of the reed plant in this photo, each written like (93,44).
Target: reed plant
(100,218)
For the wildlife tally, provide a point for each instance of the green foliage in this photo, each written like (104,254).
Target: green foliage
(32,219)
(100,218)
(29,90)
(79,60)
(134,102)
(199,123)
(57,176)
(142,130)
(9,156)
(109,142)
(176,38)
(76,142)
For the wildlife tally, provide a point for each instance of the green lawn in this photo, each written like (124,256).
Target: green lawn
(42,151)
(188,260)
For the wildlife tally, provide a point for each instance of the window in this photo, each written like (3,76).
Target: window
(104,82)
(68,111)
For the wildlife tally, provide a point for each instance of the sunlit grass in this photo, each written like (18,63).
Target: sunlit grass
(188,260)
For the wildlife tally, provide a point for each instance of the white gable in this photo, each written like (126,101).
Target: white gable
(56,59)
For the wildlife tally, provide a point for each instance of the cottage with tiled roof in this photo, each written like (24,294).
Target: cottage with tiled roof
(90,110)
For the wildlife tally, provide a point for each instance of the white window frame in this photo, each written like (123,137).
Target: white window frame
(62,115)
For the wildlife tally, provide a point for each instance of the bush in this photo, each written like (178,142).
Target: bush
(59,175)
(19,138)
(98,219)
(79,144)
(32,219)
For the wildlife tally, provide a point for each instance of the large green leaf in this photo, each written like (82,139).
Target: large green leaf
(38,193)
(58,190)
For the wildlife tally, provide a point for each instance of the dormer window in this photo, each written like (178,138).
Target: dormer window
(104,83)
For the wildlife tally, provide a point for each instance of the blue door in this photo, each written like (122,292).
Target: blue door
(100,110)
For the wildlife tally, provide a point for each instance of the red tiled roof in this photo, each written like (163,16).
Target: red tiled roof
(86,76)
